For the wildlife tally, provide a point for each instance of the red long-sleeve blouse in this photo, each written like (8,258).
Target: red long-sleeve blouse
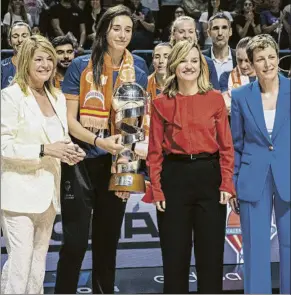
(190,125)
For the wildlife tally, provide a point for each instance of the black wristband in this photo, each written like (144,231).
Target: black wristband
(41,154)
(95,140)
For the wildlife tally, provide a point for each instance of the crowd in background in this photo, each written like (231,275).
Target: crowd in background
(54,18)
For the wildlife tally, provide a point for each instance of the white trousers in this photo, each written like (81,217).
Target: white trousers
(27,240)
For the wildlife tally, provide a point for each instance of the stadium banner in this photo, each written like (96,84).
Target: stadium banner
(139,240)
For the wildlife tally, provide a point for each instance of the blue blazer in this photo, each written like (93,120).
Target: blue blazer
(255,151)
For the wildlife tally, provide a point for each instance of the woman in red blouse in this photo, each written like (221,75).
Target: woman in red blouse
(191,161)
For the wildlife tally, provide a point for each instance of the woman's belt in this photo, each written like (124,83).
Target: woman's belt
(192,157)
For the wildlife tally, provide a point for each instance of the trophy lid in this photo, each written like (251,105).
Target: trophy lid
(130,91)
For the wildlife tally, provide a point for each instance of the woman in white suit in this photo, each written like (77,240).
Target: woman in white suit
(34,139)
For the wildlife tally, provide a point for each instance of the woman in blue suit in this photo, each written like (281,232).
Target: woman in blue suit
(261,133)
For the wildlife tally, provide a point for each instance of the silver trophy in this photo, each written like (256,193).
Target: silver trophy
(130,102)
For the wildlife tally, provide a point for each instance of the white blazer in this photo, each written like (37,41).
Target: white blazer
(29,184)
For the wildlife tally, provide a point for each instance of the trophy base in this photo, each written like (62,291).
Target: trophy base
(127,182)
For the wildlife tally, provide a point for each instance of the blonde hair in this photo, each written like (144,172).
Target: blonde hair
(24,59)
(173,41)
(262,42)
(178,53)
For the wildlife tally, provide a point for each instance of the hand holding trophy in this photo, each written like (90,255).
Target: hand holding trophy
(129,103)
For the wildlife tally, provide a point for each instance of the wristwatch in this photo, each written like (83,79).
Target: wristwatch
(41,154)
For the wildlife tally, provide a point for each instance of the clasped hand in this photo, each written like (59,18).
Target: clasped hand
(250,17)
(139,17)
(66,151)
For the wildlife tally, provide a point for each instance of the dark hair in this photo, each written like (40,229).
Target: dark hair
(180,6)
(242,44)
(243,4)
(63,40)
(88,8)
(100,45)
(209,9)
(219,15)
(19,23)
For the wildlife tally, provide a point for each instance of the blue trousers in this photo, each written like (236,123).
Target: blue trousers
(256,224)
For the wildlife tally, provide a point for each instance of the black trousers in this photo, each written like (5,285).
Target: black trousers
(192,196)
(108,212)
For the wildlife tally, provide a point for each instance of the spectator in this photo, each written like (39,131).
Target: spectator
(184,28)
(219,29)
(179,11)
(34,8)
(261,5)
(45,25)
(154,6)
(194,8)
(143,35)
(231,5)
(16,12)
(64,47)
(156,81)
(82,4)
(19,32)
(287,21)
(248,23)
(242,74)
(272,23)
(93,11)
(213,8)
(66,17)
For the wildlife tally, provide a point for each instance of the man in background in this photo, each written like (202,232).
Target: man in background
(64,46)
(224,58)
(68,17)
(143,35)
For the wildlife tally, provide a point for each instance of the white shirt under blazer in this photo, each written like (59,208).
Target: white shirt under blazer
(29,184)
